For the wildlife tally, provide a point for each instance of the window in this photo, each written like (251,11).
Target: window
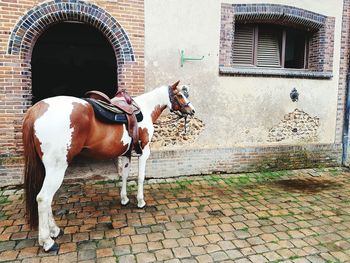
(266,45)
(268,40)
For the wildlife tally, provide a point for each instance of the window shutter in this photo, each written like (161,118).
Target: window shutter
(243,47)
(268,50)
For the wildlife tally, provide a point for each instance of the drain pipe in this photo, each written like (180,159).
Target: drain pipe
(346,121)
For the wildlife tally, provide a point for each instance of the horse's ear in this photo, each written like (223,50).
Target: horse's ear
(174,86)
(185,90)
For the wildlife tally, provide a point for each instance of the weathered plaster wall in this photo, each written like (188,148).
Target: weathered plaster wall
(237,111)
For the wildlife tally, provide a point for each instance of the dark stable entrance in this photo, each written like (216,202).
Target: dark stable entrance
(70,59)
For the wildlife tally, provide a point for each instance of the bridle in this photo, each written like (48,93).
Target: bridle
(176,104)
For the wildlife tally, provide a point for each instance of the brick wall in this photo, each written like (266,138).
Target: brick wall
(227,32)
(22,22)
(321,47)
(247,159)
(173,163)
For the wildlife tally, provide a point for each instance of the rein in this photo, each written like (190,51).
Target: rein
(177,118)
(169,121)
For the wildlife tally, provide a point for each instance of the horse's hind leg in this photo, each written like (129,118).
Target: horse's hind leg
(125,173)
(47,227)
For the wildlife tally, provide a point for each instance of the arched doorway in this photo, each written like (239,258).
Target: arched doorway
(71,58)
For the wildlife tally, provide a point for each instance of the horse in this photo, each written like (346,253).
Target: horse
(57,129)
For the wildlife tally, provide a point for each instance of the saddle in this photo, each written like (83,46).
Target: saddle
(124,104)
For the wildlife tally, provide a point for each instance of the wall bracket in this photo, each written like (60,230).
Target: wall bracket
(183,58)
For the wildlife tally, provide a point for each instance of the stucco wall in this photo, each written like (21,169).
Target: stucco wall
(237,111)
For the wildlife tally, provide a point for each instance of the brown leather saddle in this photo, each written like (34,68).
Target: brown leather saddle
(123,102)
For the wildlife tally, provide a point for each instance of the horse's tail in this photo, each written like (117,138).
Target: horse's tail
(34,172)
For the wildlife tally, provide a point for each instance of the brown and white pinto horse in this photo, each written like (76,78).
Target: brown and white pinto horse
(57,129)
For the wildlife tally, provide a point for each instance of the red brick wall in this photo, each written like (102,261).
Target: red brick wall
(18,32)
(237,160)
(227,32)
(321,47)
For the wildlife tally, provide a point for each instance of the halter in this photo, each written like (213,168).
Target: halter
(174,102)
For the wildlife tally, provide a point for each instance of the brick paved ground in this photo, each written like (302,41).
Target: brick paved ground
(293,216)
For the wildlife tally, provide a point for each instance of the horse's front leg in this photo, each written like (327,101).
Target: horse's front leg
(55,231)
(125,173)
(142,166)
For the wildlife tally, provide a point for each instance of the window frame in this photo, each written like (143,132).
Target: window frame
(283,38)
(321,28)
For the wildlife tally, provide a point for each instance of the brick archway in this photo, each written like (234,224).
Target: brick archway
(38,19)
(121,23)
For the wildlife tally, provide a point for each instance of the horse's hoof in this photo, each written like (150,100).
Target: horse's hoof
(125,201)
(141,204)
(53,248)
(61,233)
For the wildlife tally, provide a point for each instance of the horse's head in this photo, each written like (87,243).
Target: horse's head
(179,101)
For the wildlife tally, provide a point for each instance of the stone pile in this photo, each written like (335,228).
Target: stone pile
(296,126)
(170,131)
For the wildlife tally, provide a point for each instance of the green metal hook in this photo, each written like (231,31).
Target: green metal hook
(183,58)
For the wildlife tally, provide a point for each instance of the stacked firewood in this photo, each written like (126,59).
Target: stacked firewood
(170,130)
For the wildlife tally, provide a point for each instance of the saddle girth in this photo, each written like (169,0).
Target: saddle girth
(123,101)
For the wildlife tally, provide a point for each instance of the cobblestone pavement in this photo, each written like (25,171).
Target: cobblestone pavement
(288,216)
